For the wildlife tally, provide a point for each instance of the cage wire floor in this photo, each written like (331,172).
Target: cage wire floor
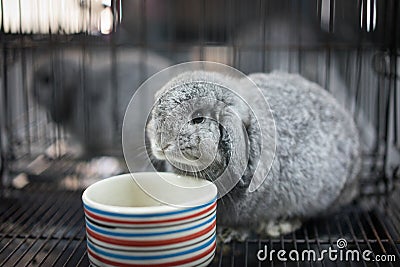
(43,225)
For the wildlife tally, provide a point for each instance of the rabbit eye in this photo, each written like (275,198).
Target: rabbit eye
(197,118)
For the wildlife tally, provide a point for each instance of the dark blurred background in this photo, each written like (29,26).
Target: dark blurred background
(64,90)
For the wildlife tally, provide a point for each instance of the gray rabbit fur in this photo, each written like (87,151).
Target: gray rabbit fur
(317,157)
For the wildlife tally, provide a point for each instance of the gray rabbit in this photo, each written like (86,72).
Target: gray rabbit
(317,158)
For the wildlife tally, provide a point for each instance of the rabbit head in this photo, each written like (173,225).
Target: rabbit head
(58,102)
(198,125)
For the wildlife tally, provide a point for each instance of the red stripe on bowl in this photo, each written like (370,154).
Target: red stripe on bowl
(175,263)
(100,218)
(123,242)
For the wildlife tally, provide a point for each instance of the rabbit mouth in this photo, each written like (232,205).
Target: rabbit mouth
(188,160)
(158,153)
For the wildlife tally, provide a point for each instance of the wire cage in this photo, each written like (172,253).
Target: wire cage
(351,48)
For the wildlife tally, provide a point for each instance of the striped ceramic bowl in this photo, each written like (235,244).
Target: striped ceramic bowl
(154,219)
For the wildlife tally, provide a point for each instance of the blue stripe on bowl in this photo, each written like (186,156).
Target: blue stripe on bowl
(145,226)
(154,257)
(164,248)
(105,232)
(121,215)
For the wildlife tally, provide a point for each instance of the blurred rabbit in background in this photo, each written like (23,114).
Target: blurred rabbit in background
(88,93)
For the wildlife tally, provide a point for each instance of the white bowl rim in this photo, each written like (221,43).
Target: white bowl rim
(149,211)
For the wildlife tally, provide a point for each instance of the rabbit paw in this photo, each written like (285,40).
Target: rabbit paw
(278,228)
(227,235)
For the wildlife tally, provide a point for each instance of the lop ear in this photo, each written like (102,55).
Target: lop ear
(234,134)
(246,137)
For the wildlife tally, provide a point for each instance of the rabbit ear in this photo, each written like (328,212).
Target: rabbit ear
(245,135)
(234,140)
